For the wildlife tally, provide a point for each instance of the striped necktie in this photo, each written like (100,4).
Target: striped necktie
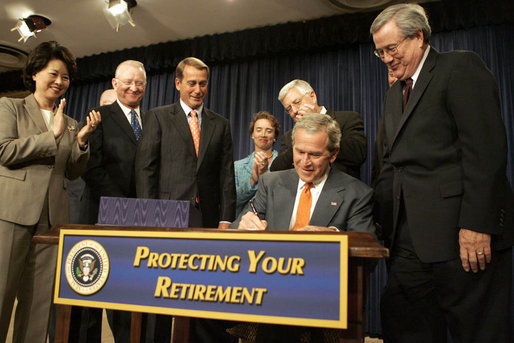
(195,130)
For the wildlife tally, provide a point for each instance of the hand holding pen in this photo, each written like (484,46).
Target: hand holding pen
(251,220)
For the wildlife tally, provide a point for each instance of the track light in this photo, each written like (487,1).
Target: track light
(118,13)
(28,26)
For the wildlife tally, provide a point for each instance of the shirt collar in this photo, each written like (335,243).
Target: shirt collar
(318,182)
(188,109)
(420,65)
(126,109)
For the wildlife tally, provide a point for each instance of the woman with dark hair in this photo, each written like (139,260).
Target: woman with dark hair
(39,146)
(264,130)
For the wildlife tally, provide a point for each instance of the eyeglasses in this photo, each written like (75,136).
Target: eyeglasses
(390,50)
(138,84)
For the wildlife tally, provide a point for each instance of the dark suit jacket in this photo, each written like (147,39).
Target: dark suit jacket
(110,170)
(382,183)
(353,145)
(344,202)
(447,156)
(167,166)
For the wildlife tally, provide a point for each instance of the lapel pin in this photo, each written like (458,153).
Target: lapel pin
(333,203)
(71,128)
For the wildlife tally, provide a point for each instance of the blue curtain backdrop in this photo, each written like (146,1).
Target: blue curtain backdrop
(345,78)
(334,55)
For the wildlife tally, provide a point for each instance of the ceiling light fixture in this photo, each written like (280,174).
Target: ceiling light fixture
(27,27)
(118,13)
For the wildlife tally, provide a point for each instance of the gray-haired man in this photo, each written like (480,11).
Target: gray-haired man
(299,99)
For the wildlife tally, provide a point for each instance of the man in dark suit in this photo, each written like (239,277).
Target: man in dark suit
(186,154)
(110,170)
(75,188)
(338,202)
(299,98)
(445,154)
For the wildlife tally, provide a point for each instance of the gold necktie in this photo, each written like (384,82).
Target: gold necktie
(303,213)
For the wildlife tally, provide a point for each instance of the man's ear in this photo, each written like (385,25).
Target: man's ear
(419,36)
(334,155)
(312,94)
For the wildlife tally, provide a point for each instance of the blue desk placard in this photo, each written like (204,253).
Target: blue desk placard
(278,278)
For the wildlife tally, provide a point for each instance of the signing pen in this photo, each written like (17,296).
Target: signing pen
(252,206)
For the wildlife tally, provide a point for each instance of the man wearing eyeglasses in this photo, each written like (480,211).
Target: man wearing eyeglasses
(110,170)
(444,151)
(299,98)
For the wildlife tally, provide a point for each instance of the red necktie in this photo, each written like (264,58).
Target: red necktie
(406,92)
(303,213)
(195,130)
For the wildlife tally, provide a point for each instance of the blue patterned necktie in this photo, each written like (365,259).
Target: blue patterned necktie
(135,124)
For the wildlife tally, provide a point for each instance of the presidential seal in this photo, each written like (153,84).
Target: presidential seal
(87,267)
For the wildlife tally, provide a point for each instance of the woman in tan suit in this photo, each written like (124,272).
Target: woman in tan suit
(39,146)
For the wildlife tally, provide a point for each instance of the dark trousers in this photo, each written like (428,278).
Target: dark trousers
(85,325)
(162,328)
(201,331)
(119,321)
(422,301)
(211,331)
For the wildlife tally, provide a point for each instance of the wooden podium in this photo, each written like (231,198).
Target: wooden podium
(364,250)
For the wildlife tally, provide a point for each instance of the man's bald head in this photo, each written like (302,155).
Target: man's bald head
(108,97)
